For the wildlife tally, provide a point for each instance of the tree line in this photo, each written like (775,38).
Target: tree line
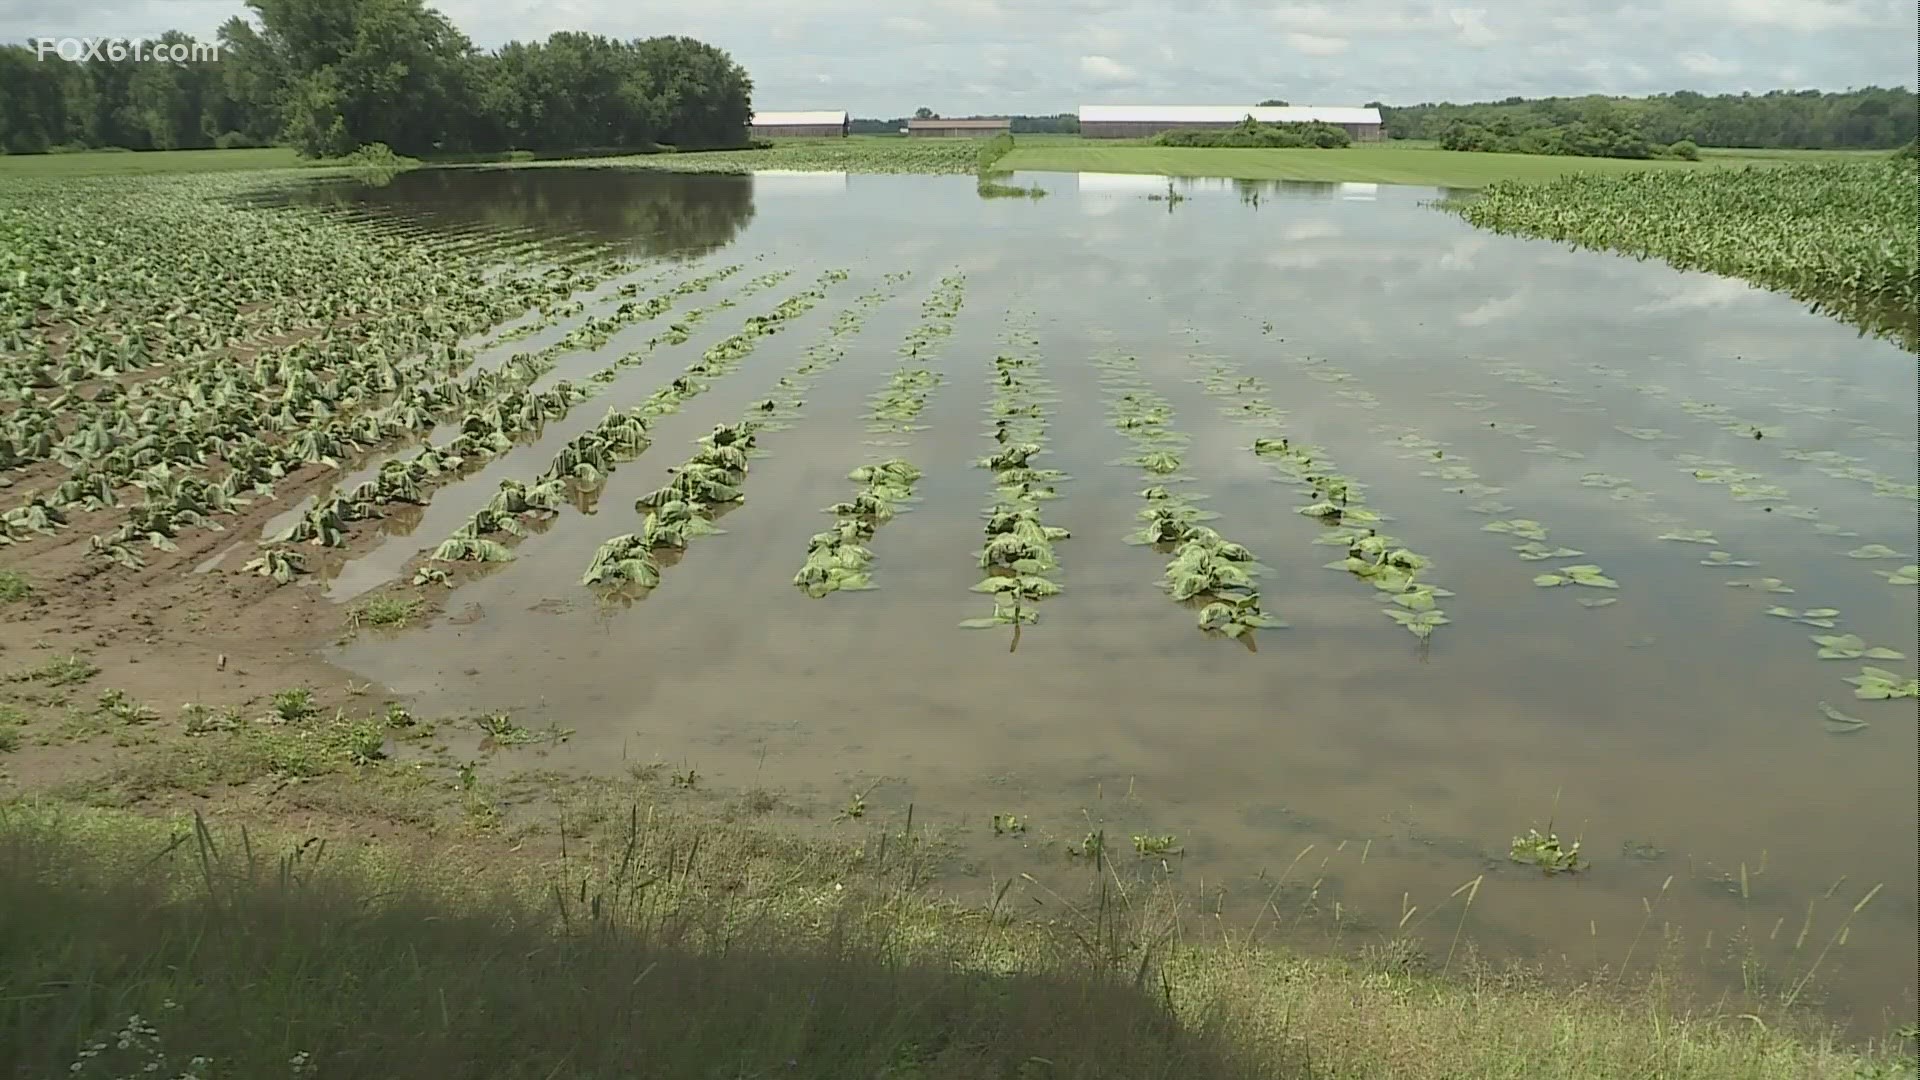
(328,76)
(1868,118)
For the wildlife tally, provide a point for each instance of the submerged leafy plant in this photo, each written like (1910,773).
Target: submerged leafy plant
(1839,723)
(1522,527)
(1879,684)
(1852,647)
(1591,576)
(623,560)
(1825,618)
(1546,852)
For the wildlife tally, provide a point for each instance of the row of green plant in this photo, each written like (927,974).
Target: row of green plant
(115,275)
(1872,683)
(1018,553)
(589,458)
(485,433)
(1337,501)
(243,426)
(838,559)
(1205,570)
(1740,484)
(711,479)
(1836,234)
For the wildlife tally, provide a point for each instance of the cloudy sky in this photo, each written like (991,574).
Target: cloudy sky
(887,57)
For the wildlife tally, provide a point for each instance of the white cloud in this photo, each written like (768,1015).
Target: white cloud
(1490,311)
(1315,44)
(1708,64)
(1105,69)
(1806,16)
(963,56)
(1472,24)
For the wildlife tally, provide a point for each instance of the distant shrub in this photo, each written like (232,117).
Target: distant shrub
(1577,139)
(1909,152)
(993,150)
(379,157)
(1685,150)
(519,155)
(1251,134)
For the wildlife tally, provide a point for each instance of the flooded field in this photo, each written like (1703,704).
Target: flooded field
(1645,527)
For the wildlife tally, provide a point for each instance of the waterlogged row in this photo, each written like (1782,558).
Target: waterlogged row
(1205,569)
(1872,683)
(1018,555)
(713,478)
(838,559)
(513,409)
(500,403)
(1338,502)
(585,462)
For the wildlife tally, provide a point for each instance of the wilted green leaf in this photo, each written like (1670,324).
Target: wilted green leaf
(1879,684)
(1839,723)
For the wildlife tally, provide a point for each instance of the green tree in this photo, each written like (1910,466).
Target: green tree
(1273,103)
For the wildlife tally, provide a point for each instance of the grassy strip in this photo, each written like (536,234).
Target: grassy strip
(1380,163)
(1837,234)
(709,949)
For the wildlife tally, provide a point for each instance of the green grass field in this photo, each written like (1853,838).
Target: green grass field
(1383,163)
(142,162)
(1410,162)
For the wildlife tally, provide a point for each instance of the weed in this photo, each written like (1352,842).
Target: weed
(1156,845)
(59,671)
(203,720)
(1545,852)
(385,612)
(294,705)
(501,730)
(116,704)
(14,586)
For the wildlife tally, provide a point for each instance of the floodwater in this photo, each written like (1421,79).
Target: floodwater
(1678,733)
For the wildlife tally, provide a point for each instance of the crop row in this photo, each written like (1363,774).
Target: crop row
(713,478)
(486,433)
(315,406)
(1828,232)
(108,278)
(837,560)
(1337,501)
(586,461)
(509,406)
(1205,568)
(1018,555)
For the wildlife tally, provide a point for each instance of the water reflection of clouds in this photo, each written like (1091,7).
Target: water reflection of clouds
(1696,292)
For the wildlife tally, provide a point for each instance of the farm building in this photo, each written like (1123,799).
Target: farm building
(1145,121)
(958,129)
(814,125)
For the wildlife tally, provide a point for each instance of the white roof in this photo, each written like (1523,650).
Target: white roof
(794,119)
(1227,114)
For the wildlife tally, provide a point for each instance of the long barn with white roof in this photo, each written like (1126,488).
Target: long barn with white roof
(1362,124)
(817,124)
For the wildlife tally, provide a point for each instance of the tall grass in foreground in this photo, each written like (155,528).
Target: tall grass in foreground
(674,948)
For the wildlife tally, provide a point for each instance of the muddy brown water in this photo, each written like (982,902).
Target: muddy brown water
(1677,732)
